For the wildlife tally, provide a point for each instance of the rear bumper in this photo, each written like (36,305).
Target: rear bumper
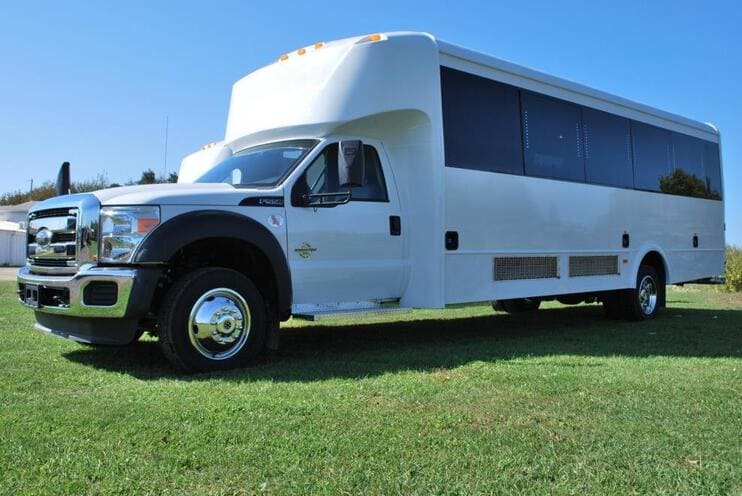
(100,305)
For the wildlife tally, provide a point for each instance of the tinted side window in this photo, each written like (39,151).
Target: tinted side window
(688,177)
(481,123)
(652,155)
(712,168)
(607,140)
(374,189)
(322,177)
(551,138)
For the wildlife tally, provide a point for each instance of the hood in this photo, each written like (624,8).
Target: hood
(180,194)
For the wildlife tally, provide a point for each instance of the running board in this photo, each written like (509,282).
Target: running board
(341,310)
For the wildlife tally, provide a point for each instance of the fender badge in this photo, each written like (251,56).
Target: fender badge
(275,220)
(305,250)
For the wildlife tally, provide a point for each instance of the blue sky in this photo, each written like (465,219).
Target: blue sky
(93,84)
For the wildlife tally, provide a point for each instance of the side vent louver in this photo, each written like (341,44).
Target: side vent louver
(598,265)
(516,268)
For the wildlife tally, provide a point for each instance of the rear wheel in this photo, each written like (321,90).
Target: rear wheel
(640,303)
(517,305)
(212,319)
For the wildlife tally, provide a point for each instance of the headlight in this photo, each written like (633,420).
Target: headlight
(122,229)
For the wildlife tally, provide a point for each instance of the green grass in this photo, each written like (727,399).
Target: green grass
(458,402)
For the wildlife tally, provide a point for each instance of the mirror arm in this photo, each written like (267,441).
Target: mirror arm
(307,199)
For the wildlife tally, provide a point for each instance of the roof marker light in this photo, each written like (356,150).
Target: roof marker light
(301,51)
(370,38)
(283,57)
(319,45)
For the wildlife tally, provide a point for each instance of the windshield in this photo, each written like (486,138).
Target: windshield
(265,165)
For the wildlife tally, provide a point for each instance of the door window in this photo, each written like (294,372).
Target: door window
(322,176)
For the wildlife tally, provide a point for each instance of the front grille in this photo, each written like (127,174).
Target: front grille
(52,212)
(52,239)
(517,268)
(50,262)
(63,237)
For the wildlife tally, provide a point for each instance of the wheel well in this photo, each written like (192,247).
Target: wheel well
(230,253)
(655,260)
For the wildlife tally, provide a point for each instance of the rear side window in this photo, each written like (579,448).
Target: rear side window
(712,169)
(688,177)
(321,175)
(481,123)
(607,140)
(552,138)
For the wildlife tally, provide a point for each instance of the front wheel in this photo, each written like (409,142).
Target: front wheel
(212,319)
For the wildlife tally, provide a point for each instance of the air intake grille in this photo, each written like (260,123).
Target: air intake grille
(515,268)
(599,265)
(100,293)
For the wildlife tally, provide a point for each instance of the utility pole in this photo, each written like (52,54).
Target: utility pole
(31,181)
(164,161)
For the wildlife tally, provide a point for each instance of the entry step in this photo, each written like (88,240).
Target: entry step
(340,310)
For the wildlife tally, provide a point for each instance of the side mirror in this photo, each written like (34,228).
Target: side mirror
(63,180)
(351,164)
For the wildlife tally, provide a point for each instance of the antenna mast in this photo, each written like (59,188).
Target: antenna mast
(164,161)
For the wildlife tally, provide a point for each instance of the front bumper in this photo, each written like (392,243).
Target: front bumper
(100,305)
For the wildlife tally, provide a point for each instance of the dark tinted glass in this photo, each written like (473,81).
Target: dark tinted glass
(481,123)
(374,189)
(688,177)
(712,168)
(652,155)
(321,175)
(607,140)
(264,165)
(551,138)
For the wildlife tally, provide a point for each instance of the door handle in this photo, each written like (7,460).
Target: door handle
(395,225)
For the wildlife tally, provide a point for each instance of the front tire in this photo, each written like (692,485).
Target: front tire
(212,319)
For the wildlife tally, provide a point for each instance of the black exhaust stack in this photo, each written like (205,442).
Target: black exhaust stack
(63,180)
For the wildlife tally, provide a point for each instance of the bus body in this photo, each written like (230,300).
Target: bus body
(389,171)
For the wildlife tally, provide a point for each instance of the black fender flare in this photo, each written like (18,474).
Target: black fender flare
(164,242)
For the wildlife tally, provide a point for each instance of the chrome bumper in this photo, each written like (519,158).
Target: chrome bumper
(74,286)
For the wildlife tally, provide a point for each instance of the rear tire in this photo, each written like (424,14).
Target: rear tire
(517,305)
(212,319)
(641,303)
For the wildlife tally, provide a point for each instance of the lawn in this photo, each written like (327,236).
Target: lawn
(457,402)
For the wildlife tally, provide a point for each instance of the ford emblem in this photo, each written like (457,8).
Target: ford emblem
(43,238)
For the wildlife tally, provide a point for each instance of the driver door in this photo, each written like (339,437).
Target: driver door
(350,252)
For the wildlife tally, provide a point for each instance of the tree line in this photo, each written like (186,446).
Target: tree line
(48,189)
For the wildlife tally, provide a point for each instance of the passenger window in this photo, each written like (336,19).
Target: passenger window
(321,176)
(607,148)
(551,138)
(481,123)
(652,155)
(712,167)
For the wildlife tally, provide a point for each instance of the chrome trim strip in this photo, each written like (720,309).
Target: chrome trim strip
(124,279)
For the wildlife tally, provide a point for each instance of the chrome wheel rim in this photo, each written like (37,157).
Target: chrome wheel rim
(219,324)
(647,295)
